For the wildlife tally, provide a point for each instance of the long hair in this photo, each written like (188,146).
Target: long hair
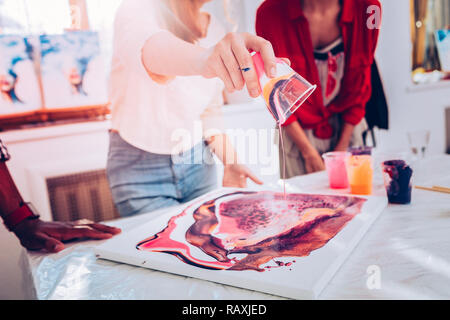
(182,18)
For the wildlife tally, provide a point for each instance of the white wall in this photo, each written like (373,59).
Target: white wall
(410,108)
(243,12)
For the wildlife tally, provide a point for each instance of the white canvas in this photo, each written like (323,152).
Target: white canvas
(303,279)
(443,48)
(19,87)
(72,70)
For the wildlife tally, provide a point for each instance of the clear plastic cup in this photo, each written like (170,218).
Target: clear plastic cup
(397,180)
(360,174)
(335,163)
(284,93)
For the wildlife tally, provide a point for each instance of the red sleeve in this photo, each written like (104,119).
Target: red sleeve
(357,87)
(290,120)
(356,92)
(260,26)
(355,98)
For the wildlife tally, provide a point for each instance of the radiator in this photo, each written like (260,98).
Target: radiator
(83,195)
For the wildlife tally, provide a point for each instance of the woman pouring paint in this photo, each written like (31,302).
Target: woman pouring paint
(170,63)
(329,43)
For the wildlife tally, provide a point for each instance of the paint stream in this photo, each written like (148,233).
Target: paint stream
(281,97)
(249,230)
(280,133)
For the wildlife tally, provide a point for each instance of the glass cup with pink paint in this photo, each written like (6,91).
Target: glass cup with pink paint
(336,165)
(284,93)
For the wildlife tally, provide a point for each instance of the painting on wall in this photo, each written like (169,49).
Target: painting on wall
(19,86)
(443,48)
(287,245)
(72,70)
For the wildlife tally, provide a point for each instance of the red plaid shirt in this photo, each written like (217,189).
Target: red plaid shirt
(283,23)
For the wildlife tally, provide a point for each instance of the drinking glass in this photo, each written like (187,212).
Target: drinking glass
(418,142)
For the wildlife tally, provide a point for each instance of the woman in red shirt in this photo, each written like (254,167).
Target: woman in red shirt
(331,44)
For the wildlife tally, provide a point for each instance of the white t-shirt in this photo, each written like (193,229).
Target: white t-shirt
(159,118)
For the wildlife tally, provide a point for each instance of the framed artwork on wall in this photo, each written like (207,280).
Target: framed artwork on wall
(72,70)
(443,48)
(51,77)
(19,85)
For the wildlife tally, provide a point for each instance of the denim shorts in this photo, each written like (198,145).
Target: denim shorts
(142,182)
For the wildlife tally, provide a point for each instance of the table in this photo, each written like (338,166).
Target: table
(405,255)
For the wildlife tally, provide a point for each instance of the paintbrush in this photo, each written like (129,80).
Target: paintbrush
(444,189)
(435,189)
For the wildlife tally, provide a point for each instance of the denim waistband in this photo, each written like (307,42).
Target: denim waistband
(199,154)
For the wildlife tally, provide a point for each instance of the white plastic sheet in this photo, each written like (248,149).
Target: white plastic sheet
(76,273)
(408,245)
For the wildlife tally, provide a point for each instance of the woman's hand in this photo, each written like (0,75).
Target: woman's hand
(235,176)
(38,234)
(230,60)
(345,137)
(313,162)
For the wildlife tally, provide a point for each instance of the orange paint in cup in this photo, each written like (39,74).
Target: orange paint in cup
(360,174)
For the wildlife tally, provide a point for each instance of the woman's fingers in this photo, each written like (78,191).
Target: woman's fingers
(265,48)
(235,64)
(49,243)
(230,62)
(246,67)
(88,233)
(254,178)
(287,61)
(251,176)
(72,232)
(105,228)
(224,75)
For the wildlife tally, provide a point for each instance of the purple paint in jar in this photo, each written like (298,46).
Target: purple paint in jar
(397,174)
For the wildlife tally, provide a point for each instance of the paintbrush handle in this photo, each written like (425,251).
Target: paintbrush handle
(439,189)
(444,189)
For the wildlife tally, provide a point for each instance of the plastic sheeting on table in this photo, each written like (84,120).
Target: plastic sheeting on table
(402,243)
(75,273)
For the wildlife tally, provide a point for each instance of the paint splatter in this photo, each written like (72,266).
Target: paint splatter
(253,230)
